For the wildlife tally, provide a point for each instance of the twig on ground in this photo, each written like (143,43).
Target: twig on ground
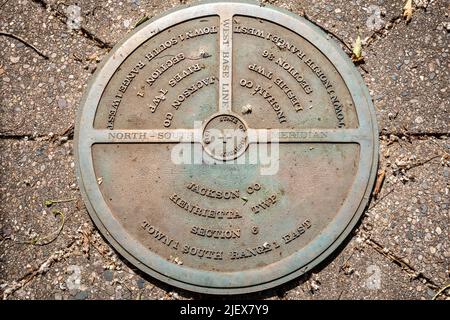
(49,203)
(4,239)
(382,198)
(52,236)
(8,34)
(418,164)
(345,264)
(86,242)
(379,183)
(63,18)
(413,273)
(5,2)
(441,291)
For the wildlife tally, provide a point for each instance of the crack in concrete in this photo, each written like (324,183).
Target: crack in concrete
(84,31)
(28,137)
(417,135)
(67,135)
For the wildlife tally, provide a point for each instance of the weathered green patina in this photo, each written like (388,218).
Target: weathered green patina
(226,147)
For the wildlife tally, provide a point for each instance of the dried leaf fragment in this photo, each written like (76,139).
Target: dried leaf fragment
(86,235)
(141,21)
(408,11)
(94,57)
(357,50)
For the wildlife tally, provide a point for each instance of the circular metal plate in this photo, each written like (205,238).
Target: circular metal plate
(226,147)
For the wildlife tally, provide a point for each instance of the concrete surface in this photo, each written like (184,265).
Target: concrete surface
(401,248)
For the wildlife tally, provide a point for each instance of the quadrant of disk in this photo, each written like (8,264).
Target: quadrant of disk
(171,81)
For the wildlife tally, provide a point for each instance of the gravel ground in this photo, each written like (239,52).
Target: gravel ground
(400,249)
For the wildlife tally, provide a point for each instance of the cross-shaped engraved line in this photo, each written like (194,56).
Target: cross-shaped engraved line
(224,137)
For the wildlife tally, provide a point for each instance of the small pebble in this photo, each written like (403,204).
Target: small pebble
(62,103)
(81,295)
(14,59)
(410,236)
(108,275)
(419,120)
(140,283)
(424,209)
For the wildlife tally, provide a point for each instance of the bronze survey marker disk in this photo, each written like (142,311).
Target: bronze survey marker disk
(226,147)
